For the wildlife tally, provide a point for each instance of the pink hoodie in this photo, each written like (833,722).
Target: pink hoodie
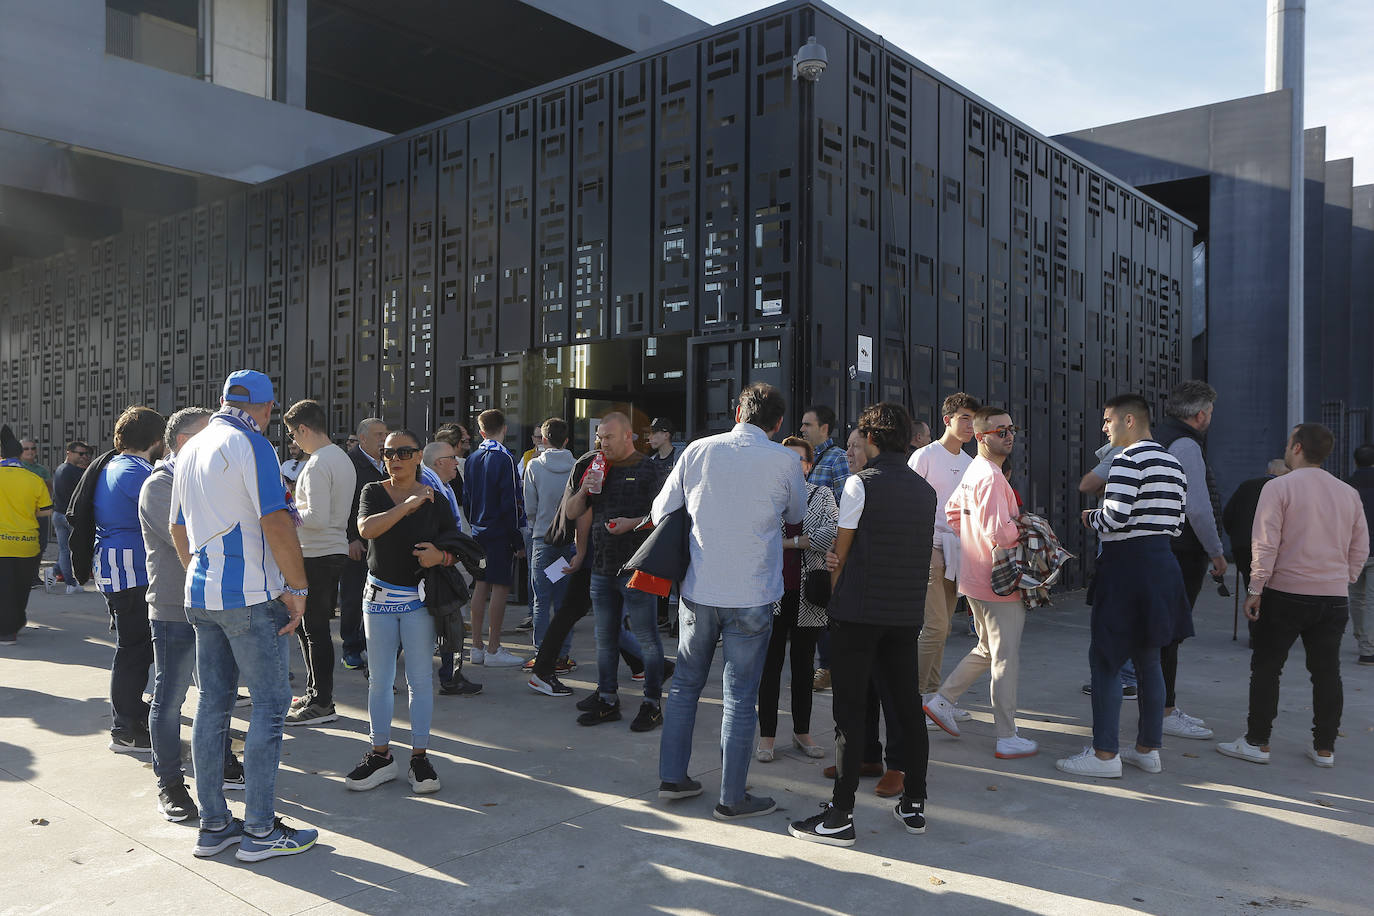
(982,512)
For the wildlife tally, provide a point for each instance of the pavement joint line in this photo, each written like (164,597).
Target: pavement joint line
(157,852)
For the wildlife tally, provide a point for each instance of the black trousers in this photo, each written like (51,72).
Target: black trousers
(1319,621)
(857,652)
(1194,566)
(880,701)
(317,646)
(770,687)
(133,656)
(16,579)
(351,583)
(577,603)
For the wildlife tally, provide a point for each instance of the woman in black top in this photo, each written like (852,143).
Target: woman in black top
(400,519)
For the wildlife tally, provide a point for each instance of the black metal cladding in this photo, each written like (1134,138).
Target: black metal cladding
(696,190)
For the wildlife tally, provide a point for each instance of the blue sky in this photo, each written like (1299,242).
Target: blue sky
(1062,65)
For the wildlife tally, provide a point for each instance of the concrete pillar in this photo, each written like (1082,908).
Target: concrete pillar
(1283,69)
(289,48)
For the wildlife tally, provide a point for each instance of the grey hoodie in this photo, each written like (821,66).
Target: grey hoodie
(545,478)
(166,578)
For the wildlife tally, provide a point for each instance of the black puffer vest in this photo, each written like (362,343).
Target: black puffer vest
(1169,432)
(885,575)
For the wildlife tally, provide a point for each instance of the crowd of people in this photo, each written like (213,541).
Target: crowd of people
(210,552)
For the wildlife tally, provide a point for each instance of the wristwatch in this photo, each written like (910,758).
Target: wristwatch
(796,540)
(298,592)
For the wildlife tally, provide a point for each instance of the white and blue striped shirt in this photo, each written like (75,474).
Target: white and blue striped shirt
(120,558)
(226,479)
(1147,493)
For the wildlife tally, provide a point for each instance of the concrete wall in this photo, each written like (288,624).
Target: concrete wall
(1335,314)
(57,83)
(241,46)
(1362,295)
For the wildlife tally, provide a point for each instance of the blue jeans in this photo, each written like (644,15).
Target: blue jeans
(413,632)
(612,600)
(174,667)
(1107,700)
(62,531)
(229,643)
(745,631)
(546,596)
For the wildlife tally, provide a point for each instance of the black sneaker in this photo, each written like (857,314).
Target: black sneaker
(686,788)
(1366,660)
(175,804)
(650,717)
(233,774)
(831,827)
(550,686)
(912,814)
(371,772)
(130,741)
(526,624)
(588,703)
(668,669)
(1129,692)
(423,779)
(602,712)
(748,806)
(564,665)
(460,687)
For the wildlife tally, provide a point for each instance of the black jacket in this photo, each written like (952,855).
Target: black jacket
(1239,519)
(81,516)
(367,473)
(666,552)
(446,592)
(1363,481)
(1169,432)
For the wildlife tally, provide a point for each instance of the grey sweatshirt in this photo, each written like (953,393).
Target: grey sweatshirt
(1200,514)
(166,577)
(545,478)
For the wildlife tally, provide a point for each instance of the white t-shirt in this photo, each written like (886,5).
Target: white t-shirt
(942,471)
(851,502)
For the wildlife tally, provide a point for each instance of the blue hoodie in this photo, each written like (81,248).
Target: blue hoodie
(492,494)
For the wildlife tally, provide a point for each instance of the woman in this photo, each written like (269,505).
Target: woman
(400,519)
(24,500)
(804,548)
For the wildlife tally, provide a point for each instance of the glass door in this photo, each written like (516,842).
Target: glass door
(583,408)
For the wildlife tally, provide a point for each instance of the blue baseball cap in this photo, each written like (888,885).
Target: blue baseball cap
(259,387)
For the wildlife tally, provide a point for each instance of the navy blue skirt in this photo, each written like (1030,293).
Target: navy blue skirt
(1139,600)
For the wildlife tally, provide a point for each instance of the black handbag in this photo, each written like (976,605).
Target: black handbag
(816,587)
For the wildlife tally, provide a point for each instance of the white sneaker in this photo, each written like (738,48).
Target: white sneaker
(1088,763)
(503,658)
(73,589)
(941,711)
(1179,726)
(1148,762)
(477,656)
(1015,747)
(1319,760)
(961,714)
(1243,750)
(1194,720)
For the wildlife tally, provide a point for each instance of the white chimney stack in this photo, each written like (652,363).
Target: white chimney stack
(1283,69)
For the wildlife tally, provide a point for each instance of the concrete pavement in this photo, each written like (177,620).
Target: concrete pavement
(538,814)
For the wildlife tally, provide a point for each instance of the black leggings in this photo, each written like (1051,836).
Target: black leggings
(1194,566)
(770,687)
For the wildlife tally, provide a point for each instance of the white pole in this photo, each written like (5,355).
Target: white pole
(1284,70)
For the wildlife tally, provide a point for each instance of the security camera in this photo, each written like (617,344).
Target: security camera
(810,61)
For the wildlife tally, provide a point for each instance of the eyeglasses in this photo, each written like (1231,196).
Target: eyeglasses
(405,452)
(82,454)
(1003,432)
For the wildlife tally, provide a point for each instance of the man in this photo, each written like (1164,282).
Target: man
(291,467)
(325,484)
(1238,520)
(1188,414)
(545,480)
(920,434)
(174,639)
(1311,541)
(121,572)
(626,494)
(246,591)
(886,517)
(366,456)
(736,486)
(661,447)
(351,443)
(29,459)
(942,464)
(439,471)
(982,513)
(495,508)
(1094,483)
(829,468)
(1138,603)
(537,446)
(1362,627)
(455,435)
(24,500)
(855,459)
(65,479)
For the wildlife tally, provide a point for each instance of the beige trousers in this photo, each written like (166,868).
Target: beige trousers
(999,650)
(942,596)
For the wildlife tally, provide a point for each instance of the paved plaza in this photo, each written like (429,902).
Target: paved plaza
(540,815)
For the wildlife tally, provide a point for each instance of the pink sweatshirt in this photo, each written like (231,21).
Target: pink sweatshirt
(982,513)
(1310,535)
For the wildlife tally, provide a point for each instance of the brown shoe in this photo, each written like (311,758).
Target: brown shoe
(821,679)
(890,786)
(865,769)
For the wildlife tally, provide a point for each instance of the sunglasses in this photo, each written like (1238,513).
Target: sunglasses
(1003,432)
(405,452)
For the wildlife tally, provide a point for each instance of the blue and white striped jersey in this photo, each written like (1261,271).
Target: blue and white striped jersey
(1146,494)
(225,480)
(120,560)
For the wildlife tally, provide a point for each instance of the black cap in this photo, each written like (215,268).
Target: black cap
(661,424)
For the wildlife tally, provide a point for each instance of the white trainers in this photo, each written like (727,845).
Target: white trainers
(1148,762)
(1180,726)
(477,656)
(1193,720)
(1243,750)
(1015,747)
(74,589)
(961,714)
(1319,760)
(49,580)
(941,712)
(503,658)
(1088,763)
